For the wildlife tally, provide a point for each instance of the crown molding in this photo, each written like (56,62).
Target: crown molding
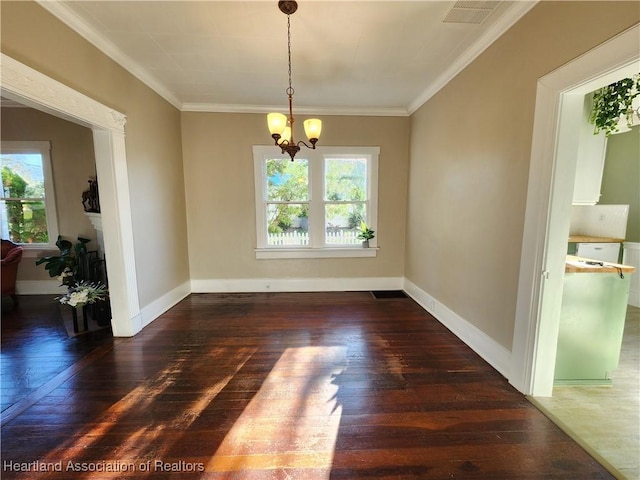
(355,111)
(515,12)
(76,23)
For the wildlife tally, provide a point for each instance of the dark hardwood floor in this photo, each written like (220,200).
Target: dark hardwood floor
(269,386)
(36,347)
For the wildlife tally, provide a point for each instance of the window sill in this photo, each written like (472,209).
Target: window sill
(38,250)
(274,253)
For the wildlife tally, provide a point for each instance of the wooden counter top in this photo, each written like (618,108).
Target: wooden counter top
(579,265)
(588,239)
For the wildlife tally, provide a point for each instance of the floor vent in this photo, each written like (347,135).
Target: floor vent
(378,294)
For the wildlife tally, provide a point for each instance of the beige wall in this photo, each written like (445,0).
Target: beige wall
(219,180)
(34,37)
(72,163)
(470,152)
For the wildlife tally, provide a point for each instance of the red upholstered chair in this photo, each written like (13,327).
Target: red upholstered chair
(11,256)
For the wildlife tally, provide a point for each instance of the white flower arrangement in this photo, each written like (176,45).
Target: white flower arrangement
(84,293)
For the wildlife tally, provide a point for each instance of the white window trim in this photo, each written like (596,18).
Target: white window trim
(44,149)
(317,249)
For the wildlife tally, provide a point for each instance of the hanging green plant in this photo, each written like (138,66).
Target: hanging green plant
(612,102)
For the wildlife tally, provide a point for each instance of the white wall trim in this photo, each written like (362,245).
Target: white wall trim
(39,287)
(80,26)
(330,252)
(160,305)
(631,256)
(239,285)
(302,110)
(115,206)
(491,351)
(34,89)
(63,13)
(147,314)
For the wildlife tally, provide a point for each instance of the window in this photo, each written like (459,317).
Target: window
(27,203)
(313,206)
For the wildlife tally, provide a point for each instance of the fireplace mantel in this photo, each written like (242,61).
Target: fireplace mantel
(96,221)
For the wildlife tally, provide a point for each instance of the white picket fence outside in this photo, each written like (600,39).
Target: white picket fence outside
(288,238)
(343,237)
(298,238)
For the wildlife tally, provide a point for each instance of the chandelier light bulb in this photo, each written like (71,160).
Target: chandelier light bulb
(277,123)
(312,128)
(285,136)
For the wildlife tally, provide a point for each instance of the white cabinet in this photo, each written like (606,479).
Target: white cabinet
(591,154)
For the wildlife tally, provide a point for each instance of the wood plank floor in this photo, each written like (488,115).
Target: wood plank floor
(276,386)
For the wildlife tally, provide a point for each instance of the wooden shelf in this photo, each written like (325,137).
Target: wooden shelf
(588,239)
(578,265)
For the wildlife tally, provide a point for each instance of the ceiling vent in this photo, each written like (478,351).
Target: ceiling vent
(470,12)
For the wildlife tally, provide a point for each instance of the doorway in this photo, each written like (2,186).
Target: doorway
(34,89)
(559,105)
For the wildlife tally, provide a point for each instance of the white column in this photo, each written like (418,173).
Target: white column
(115,206)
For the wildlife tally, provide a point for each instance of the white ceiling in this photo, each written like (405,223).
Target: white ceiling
(361,57)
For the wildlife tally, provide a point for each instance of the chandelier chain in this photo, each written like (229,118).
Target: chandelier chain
(281,125)
(290,89)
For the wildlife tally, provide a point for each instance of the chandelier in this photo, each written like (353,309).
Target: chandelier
(281,126)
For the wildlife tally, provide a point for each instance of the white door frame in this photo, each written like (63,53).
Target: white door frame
(559,102)
(34,89)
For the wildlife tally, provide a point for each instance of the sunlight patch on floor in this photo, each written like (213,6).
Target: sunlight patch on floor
(137,403)
(293,420)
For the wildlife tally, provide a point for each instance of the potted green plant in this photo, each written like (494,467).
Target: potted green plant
(365,234)
(66,265)
(613,102)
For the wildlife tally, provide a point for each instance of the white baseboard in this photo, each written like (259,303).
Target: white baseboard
(39,287)
(631,256)
(492,352)
(150,312)
(147,314)
(239,285)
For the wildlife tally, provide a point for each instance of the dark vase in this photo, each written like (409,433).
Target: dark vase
(101,313)
(82,312)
